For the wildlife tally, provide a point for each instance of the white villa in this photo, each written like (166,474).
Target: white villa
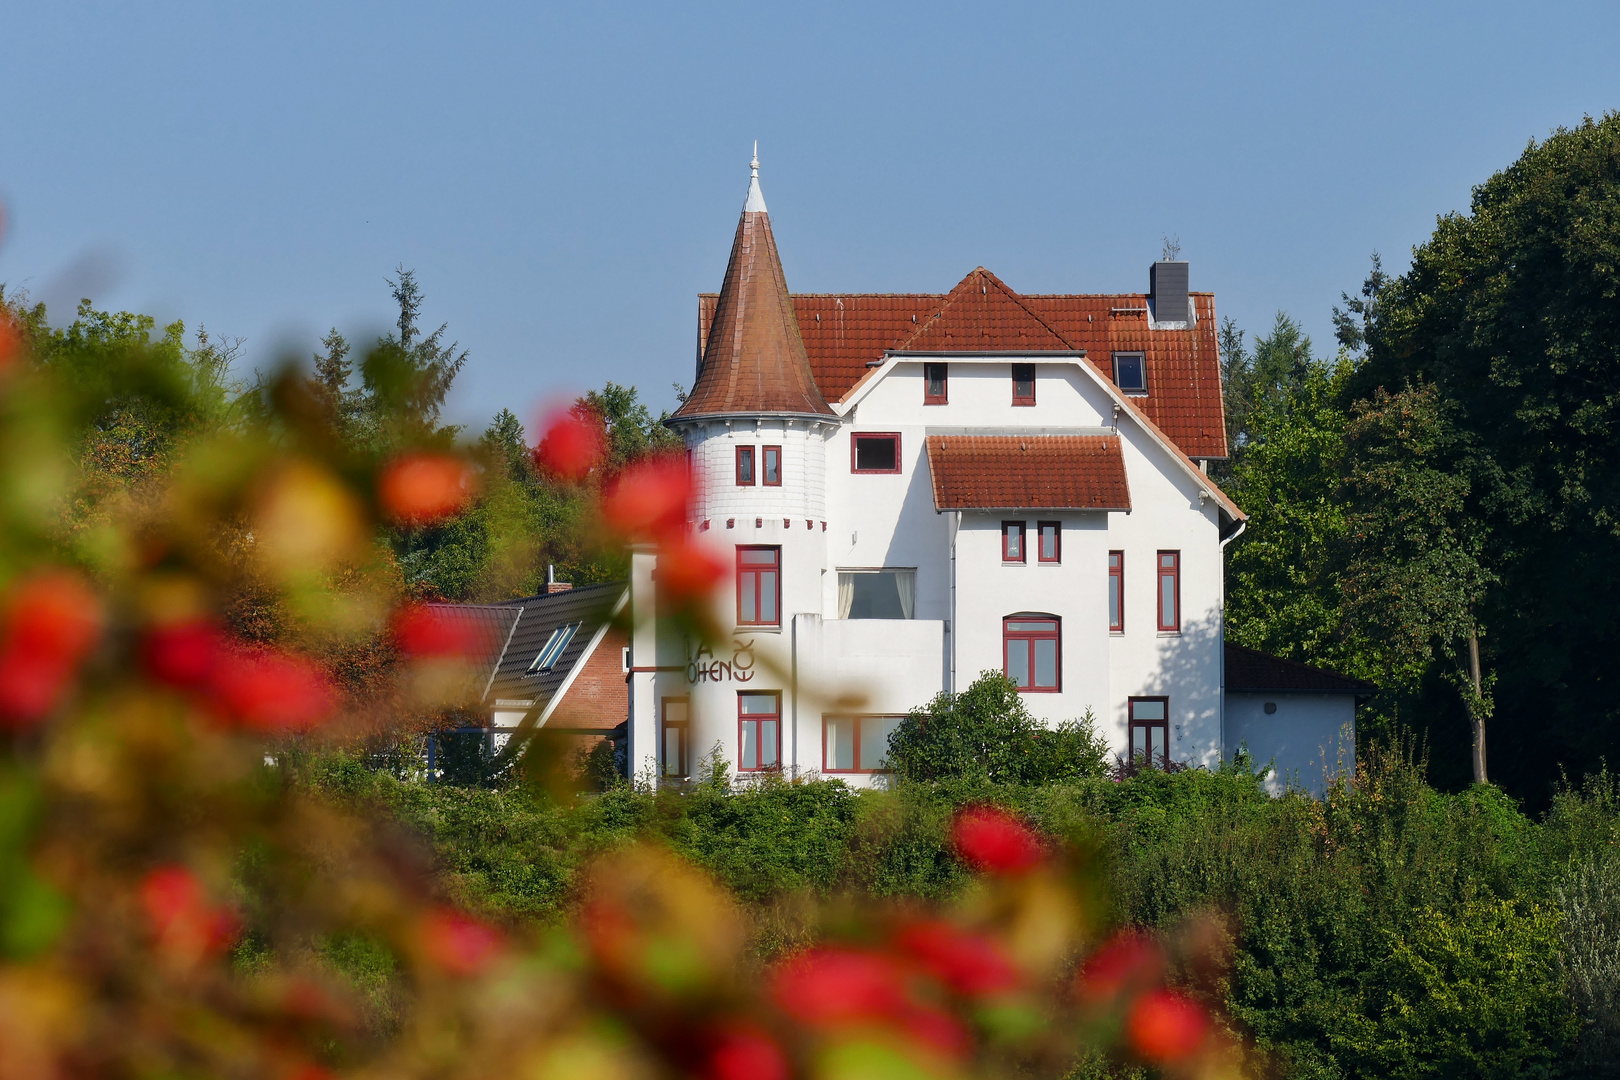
(918,488)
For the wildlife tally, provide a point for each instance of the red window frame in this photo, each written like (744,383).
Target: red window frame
(766,453)
(1116,592)
(855,439)
(758,721)
(1009,635)
(857,721)
(1007,554)
(745,457)
(1057,541)
(1149,726)
(683,739)
(1028,371)
(942,371)
(751,586)
(1168,565)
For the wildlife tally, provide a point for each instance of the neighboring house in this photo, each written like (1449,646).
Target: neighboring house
(916,488)
(558,655)
(1301,719)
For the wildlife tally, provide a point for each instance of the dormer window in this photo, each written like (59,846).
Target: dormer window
(1130,373)
(1023,379)
(555,644)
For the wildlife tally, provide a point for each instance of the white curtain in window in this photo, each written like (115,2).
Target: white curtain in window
(846,594)
(906,582)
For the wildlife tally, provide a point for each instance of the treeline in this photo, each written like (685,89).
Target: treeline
(375,401)
(1436,507)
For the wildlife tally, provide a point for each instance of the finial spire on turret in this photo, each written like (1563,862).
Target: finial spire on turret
(755,203)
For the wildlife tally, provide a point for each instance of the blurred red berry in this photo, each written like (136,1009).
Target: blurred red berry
(970,964)
(51,621)
(746,1053)
(459,944)
(183,923)
(271,691)
(421,630)
(184,653)
(991,839)
(832,985)
(419,489)
(1164,1027)
(687,572)
(571,444)
(648,501)
(938,1031)
(1126,963)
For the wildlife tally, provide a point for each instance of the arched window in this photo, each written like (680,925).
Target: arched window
(1032,651)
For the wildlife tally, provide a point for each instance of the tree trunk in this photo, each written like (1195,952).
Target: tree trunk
(1476,707)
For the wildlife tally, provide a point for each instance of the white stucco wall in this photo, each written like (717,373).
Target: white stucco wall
(1309,738)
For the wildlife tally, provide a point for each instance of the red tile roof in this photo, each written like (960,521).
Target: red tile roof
(1033,472)
(843,333)
(754,359)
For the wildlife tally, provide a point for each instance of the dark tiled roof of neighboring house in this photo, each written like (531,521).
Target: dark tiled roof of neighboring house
(844,334)
(524,627)
(1028,472)
(1252,671)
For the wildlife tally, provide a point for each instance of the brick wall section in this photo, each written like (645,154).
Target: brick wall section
(598,699)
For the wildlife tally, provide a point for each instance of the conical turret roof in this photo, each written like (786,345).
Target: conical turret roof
(754,360)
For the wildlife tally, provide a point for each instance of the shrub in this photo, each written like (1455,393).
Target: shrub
(1590,901)
(985,734)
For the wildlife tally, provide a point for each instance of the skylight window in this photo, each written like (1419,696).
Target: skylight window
(553,651)
(1130,374)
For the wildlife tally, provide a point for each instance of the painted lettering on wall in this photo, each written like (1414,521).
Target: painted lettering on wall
(704,666)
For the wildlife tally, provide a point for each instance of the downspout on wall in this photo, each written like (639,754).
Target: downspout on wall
(950,627)
(1221,637)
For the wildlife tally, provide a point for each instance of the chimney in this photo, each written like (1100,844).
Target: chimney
(552,584)
(1167,284)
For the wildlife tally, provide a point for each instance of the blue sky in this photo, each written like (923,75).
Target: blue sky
(565,178)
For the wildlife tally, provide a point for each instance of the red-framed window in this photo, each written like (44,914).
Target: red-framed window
(675,741)
(759,586)
(1049,541)
(770,462)
(936,384)
(759,731)
(875,452)
(1012,541)
(745,466)
(1032,652)
(1149,731)
(1169,598)
(1116,592)
(1023,380)
(856,744)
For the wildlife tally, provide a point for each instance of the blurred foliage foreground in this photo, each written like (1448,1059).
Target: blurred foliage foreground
(150,830)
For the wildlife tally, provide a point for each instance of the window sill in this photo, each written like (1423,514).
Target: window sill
(1169,633)
(773,629)
(1116,633)
(1010,562)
